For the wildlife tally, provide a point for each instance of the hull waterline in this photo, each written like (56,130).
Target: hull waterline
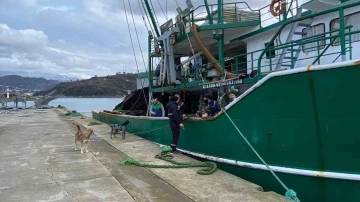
(303,121)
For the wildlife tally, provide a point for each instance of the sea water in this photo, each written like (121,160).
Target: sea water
(87,105)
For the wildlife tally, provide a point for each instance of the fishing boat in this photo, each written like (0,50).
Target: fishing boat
(285,76)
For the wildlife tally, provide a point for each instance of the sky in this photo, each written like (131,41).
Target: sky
(79,38)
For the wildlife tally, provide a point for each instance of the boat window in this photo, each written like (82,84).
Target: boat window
(315,30)
(272,52)
(351,19)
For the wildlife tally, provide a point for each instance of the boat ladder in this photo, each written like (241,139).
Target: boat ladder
(289,55)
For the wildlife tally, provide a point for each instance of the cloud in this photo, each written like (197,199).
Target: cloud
(27,38)
(79,38)
(27,3)
(31,52)
(55,8)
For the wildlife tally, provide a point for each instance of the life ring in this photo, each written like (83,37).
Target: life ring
(279,8)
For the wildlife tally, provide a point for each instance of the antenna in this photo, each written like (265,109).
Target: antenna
(179,10)
(189,4)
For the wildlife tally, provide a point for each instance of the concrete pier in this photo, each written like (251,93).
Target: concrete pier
(39,163)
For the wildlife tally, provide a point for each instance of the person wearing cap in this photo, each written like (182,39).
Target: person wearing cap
(175,121)
(181,107)
(157,109)
(212,105)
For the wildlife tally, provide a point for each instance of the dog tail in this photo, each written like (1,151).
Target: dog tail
(125,123)
(78,127)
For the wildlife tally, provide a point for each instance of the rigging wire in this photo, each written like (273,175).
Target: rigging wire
(144,13)
(142,56)
(156,19)
(166,2)
(137,36)
(163,10)
(152,30)
(137,66)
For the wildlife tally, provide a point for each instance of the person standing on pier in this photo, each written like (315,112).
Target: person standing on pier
(175,122)
(181,107)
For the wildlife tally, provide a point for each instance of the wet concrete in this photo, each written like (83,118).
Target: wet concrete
(39,163)
(220,186)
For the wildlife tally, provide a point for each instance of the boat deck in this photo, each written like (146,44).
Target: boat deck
(39,163)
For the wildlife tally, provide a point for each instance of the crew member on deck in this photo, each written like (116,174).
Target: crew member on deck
(212,105)
(175,122)
(157,109)
(181,107)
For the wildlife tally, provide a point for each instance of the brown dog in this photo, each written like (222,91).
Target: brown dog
(83,138)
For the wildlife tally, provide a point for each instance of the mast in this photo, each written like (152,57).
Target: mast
(150,73)
(150,37)
(152,18)
(220,34)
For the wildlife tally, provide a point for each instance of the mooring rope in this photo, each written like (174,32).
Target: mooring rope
(209,167)
(290,194)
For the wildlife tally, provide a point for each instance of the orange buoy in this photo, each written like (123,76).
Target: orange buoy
(277,7)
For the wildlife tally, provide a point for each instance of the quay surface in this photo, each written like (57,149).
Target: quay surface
(39,163)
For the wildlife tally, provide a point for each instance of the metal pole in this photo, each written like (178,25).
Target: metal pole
(286,10)
(208,12)
(342,36)
(150,75)
(220,34)
(237,66)
(152,18)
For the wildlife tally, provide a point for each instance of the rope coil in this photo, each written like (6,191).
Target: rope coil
(208,167)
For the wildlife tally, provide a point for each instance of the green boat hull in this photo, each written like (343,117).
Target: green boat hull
(305,120)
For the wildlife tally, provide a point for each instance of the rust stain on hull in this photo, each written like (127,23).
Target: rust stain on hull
(320,174)
(309,68)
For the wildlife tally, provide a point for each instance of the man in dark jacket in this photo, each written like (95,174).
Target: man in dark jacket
(175,121)
(181,107)
(212,106)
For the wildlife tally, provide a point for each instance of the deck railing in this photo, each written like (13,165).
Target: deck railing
(250,61)
(232,13)
(207,15)
(247,62)
(342,35)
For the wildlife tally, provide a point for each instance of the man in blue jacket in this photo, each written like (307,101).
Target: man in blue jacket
(175,121)
(212,105)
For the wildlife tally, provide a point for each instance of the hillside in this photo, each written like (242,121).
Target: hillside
(47,76)
(114,85)
(26,83)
